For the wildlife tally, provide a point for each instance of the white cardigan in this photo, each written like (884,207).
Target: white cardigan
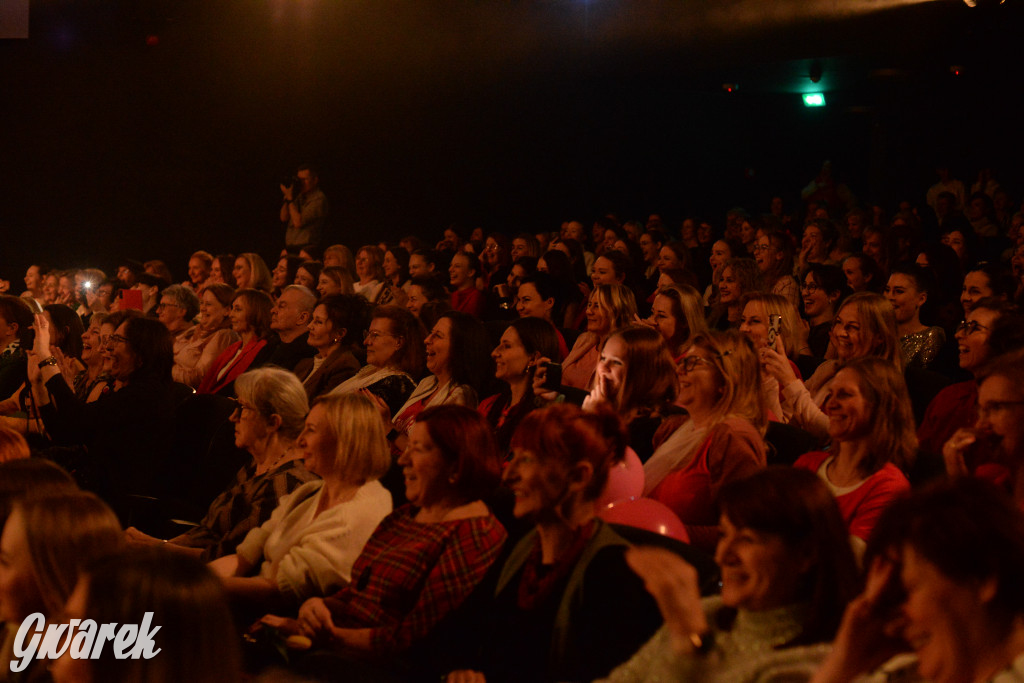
(306,556)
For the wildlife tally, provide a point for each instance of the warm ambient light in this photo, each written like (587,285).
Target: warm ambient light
(814,99)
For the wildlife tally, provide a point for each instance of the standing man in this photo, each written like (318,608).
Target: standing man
(303,210)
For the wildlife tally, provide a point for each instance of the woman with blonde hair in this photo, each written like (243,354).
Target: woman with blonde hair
(369,273)
(315,534)
(760,312)
(251,272)
(678,315)
(609,308)
(197,348)
(865,326)
(871,426)
(334,280)
(720,441)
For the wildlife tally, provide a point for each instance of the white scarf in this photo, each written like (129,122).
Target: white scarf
(366,376)
(677,450)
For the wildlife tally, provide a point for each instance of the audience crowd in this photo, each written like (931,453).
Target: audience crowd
(783,446)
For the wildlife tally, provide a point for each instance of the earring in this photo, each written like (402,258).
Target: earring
(453,478)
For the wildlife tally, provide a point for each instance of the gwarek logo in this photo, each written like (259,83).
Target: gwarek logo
(82,639)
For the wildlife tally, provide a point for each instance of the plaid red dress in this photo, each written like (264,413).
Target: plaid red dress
(410,575)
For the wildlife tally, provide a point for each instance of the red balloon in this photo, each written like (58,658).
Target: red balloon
(645,513)
(625,480)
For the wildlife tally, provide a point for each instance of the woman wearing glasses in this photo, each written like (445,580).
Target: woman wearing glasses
(773,252)
(865,326)
(720,388)
(1000,425)
(990,329)
(394,357)
(269,415)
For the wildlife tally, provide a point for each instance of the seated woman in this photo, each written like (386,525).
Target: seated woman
(458,363)
(396,276)
(94,380)
(425,290)
(944,585)
(999,427)
(334,280)
(678,314)
(308,274)
(770,321)
(197,639)
(636,378)
(525,342)
(739,277)
(787,575)
(908,290)
(272,407)
(339,321)
(566,581)
(871,426)
(823,290)
(315,534)
(369,273)
(251,272)
(865,326)
(47,541)
(66,336)
(773,252)
(863,274)
(955,407)
(250,320)
(609,308)
(987,280)
(538,297)
(465,297)
(196,349)
(394,357)
(720,388)
(426,557)
(136,418)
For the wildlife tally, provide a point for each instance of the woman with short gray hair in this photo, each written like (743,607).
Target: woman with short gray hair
(272,407)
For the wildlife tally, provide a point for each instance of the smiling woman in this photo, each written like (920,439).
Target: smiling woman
(787,574)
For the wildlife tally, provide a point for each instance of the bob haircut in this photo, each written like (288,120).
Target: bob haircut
(744,270)
(1000,280)
(348,312)
(567,435)
(781,243)
(877,319)
(13,309)
(223,293)
(466,443)
(777,304)
(650,378)
(410,356)
(832,280)
(153,347)
(537,336)
(622,265)
(260,279)
(66,531)
(469,352)
(259,304)
(197,637)
(893,434)
(339,276)
(872,272)
(617,302)
(797,506)
(273,391)
(361,451)
(226,262)
(969,529)
(736,361)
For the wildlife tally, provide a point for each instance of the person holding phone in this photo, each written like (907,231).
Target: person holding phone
(525,342)
(770,321)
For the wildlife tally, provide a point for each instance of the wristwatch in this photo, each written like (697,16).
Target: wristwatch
(49,361)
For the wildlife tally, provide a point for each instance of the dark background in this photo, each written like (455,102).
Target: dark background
(151,128)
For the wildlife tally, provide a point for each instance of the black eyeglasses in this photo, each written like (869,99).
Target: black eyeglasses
(809,287)
(116,339)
